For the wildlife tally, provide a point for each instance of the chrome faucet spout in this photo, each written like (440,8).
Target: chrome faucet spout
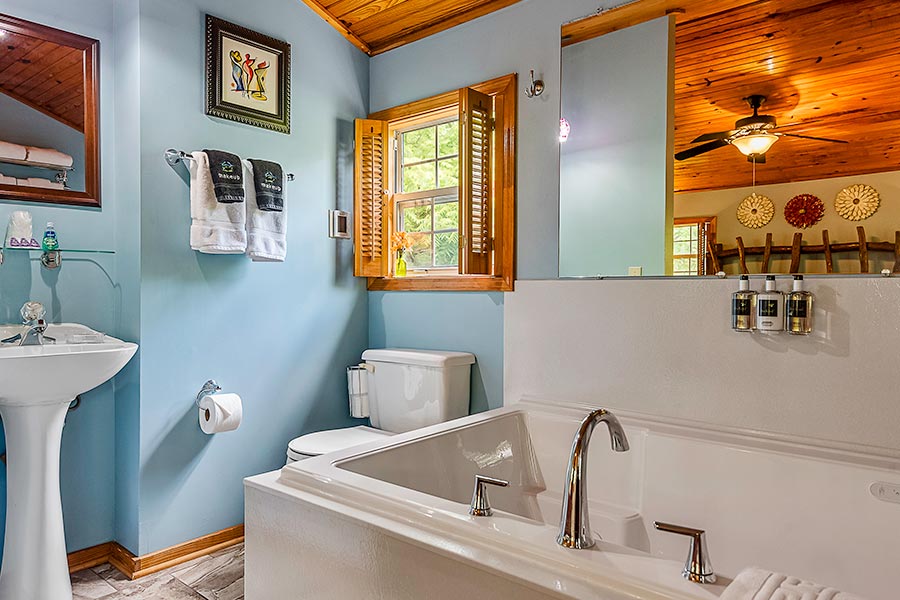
(575,526)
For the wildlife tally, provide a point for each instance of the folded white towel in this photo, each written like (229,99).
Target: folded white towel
(216,228)
(4,180)
(266,230)
(41,183)
(13,151)
(758,584)
(49,156)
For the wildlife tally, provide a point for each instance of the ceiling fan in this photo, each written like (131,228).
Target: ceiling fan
(752,135)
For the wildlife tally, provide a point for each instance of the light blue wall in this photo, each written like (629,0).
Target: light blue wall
(614,187)
(461,321)
(85,290)
(278,334)
(517,39)
(24,125)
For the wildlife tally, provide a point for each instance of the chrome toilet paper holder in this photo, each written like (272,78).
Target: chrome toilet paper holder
(209,388)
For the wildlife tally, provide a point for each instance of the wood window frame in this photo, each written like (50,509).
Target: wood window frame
(504,92)
(706,239)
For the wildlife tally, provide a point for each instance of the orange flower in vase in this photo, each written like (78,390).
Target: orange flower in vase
(400,242)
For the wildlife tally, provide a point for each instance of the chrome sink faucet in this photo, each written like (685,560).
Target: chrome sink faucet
(34,327)
(575,525)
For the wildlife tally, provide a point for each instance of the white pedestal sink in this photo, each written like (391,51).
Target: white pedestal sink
(37,383)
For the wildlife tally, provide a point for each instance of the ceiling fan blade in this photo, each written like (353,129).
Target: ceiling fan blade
(692,152)
(809,137)
(708,137)
(759,159)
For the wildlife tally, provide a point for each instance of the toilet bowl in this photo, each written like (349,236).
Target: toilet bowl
(408,389)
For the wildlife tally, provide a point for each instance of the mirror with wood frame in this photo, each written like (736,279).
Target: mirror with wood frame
(49,115)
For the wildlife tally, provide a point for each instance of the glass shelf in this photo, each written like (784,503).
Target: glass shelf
(62,250)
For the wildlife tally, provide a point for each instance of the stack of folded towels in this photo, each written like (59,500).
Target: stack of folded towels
(759,584)
(44,156)
(237,206)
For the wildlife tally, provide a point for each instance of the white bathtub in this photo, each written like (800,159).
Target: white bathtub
(389,519)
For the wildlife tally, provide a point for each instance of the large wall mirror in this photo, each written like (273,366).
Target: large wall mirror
(49,126)
(728,135)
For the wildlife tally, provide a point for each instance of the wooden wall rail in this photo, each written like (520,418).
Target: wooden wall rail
(716,253)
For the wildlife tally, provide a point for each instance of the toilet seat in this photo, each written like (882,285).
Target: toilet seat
(332,440)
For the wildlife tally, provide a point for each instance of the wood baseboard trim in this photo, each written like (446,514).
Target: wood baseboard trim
(135,567)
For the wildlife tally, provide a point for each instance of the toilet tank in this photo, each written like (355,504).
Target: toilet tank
(409,389)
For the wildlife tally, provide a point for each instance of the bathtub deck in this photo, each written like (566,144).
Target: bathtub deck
(216,576)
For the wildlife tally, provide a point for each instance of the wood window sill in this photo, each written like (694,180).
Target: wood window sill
(449,283)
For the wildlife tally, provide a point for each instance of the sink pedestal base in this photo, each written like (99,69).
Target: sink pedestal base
(35,566)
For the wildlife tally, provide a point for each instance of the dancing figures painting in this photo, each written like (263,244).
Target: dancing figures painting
(238,67)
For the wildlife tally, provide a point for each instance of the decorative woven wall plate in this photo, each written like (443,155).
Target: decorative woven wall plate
(755,211)
(857,202)
(804,211)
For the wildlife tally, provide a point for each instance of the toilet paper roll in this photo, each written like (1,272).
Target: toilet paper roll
(358,390)
(220,413)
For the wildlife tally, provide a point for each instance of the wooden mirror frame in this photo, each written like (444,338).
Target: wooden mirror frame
(90,49)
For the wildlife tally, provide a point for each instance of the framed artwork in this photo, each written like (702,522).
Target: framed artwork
(247,76)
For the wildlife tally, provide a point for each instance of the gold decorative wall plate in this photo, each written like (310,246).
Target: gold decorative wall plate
(755,211)
(857,202)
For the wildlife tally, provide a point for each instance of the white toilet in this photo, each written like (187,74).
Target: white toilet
(407,389)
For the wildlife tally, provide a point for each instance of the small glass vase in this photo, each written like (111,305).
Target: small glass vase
(400,269)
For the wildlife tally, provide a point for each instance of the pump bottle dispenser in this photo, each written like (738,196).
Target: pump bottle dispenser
(743,306)
(799,320)
(770,308)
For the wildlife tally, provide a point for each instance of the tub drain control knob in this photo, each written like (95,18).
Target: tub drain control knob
(697,567)
(481,506)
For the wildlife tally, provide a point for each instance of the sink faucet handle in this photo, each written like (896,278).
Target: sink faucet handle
(697,567)
(32,311)
(481,506)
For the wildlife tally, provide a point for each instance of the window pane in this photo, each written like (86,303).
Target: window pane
(446,249)
(416,218)
(683,248)
(419,144)
(448,138)
(418,178)
(446,215)
(419,256)
(682,264)
(448,172)
(683,232)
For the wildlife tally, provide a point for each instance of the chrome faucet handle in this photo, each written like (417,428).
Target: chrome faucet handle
(697,568)
(32,311)
(481,506)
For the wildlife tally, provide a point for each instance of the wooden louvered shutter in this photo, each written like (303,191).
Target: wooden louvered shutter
(370,209)
(475,128)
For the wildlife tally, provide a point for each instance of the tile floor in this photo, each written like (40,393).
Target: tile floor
(216,576)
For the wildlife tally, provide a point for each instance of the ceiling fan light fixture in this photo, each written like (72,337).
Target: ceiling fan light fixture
(755,143)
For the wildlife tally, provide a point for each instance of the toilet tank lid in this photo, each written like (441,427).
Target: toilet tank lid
(425,358)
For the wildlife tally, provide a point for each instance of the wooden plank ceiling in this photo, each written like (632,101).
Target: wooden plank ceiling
(376,26)
(828,68)
(45,76)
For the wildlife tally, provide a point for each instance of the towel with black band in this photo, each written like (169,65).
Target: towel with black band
(268,181)
(227,176)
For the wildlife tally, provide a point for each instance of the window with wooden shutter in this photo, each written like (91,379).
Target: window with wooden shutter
(370,206)
(475,133)
(441,193)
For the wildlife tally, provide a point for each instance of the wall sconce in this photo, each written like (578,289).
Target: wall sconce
(564,130)
(536,88)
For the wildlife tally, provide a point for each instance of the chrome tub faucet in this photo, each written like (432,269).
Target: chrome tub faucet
(575,525)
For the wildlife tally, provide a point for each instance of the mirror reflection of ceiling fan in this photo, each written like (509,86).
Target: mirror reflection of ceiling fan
(752,135)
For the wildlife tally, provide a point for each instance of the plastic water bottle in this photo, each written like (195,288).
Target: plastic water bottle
(50,243)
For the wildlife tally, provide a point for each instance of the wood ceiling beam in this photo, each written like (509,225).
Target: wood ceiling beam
(334,22)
